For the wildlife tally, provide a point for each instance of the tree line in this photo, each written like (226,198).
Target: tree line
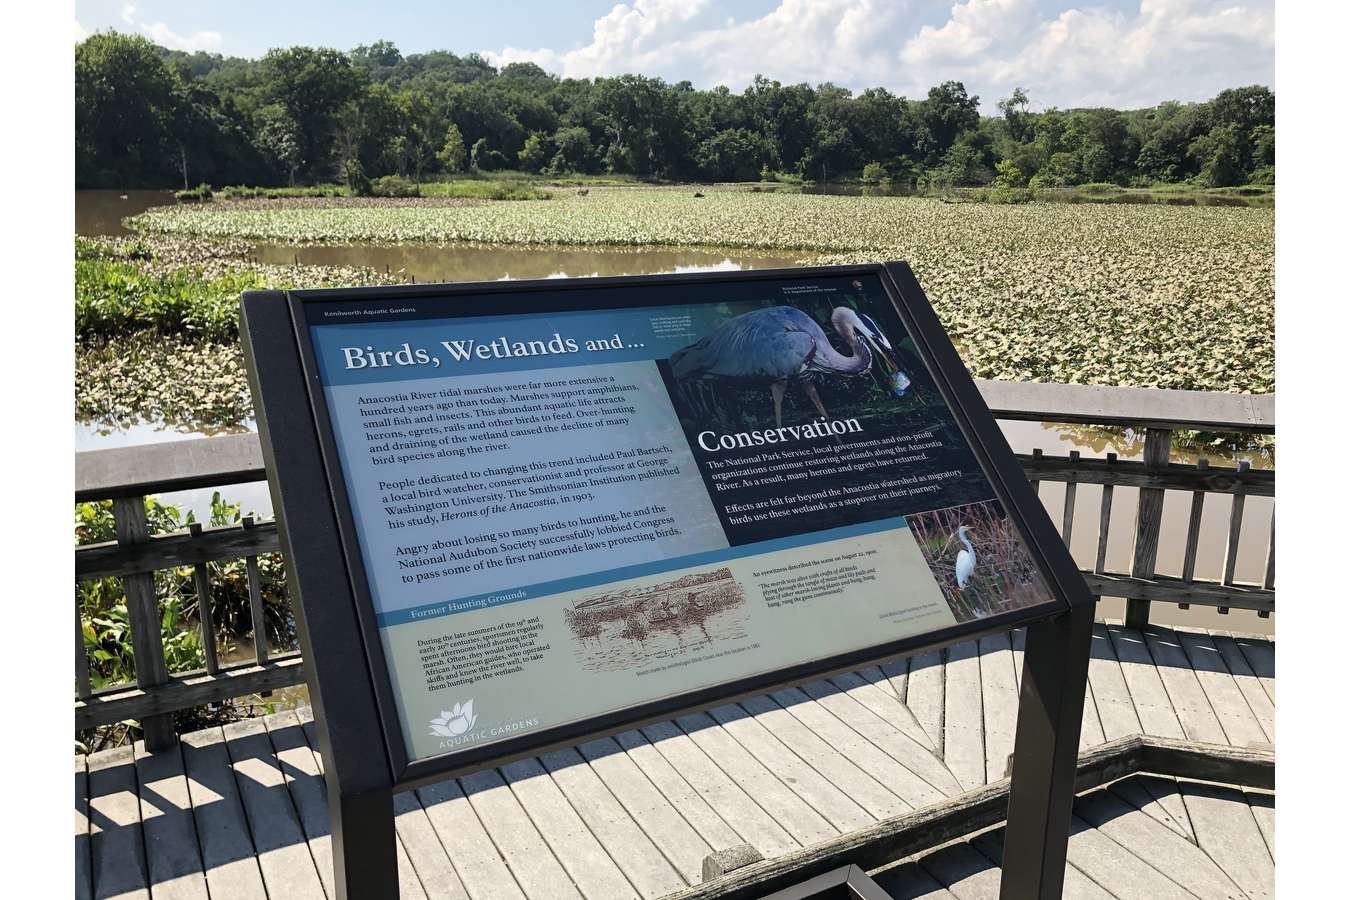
(152,117)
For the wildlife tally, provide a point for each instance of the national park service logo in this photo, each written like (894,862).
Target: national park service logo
(454,722)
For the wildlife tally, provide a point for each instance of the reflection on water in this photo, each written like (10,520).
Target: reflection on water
(495,262)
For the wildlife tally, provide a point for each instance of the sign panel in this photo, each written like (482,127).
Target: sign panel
(560,504)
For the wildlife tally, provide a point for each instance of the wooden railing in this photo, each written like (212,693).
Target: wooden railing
(127,475)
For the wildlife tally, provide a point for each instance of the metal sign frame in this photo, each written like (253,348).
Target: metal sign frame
(360,736)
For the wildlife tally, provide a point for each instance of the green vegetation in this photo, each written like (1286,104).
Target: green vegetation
(116,298)
(106,628)
(1145,295)
(145,115)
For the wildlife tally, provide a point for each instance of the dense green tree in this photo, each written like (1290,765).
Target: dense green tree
(147,115)
(312,85)
(734,154)
(125,99)
(535,154)
(452,155)
(948,111)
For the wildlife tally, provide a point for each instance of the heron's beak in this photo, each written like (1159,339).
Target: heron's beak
(887,358)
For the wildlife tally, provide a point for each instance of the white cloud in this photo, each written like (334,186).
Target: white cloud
(1064,53)
(166,37)
(128,13)
(80,31)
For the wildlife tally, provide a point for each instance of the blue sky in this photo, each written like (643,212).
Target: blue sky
(1065,53)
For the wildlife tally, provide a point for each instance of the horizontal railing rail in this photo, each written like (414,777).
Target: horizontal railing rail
(127,475)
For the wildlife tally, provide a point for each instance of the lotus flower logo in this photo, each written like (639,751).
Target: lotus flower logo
(454,722)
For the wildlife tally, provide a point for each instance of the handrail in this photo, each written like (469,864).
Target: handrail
(236,458)
(126,474)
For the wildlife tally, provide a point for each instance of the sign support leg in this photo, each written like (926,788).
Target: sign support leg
(365,864)
(1049,719)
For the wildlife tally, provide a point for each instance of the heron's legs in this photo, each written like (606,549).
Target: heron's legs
(815,398)
(778,389)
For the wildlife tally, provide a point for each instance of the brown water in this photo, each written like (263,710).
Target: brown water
(100,212)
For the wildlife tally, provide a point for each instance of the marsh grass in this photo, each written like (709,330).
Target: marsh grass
(1005,577)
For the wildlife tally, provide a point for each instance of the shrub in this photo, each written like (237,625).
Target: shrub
(200,194)
(1010,185)
(113,297)
(875,173)
(394,186)
(354,175)
(246,192)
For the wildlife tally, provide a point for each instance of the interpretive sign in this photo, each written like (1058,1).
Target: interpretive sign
(564,507)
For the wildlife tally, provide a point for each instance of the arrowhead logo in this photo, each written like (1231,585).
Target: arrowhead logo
(456,721)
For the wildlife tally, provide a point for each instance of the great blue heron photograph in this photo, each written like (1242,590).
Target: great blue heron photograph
(778,365)
(977,559)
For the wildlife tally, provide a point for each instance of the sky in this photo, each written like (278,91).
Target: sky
(1066,54)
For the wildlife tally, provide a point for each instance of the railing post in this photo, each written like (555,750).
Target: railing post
(147,642)
(1148,523)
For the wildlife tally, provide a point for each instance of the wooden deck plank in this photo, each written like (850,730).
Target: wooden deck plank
(585,859)
(910,787)
(964,871)
(1106,862)
(752,822)
(677,840)
(881,732)
(304,780)
(116,845)
(910,882)
(84,875)
(881,703)
(1192,705)
(675,788)
(631,849)
(528,856)
(795,815)
(477,862)
(1262,804)
(228,854)
(1260,656)
(172,856)
(1235,715)
(925,694)
(999,696)
(856,783)
(409,884)
(1257,699)
(1077,886)
(1158,797)
(1228,832)
(1156,844)
(302,764)
(283,853)
(963,716)
(1151,701)
(1090,732)
(896,673)
(1115,708)
(815,789)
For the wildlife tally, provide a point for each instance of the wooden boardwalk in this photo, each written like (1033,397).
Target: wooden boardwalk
(1142,838)
(239,811)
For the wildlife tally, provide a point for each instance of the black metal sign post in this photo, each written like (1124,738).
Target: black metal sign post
(366,751)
